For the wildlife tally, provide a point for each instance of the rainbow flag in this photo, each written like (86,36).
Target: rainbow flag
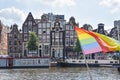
(92,42)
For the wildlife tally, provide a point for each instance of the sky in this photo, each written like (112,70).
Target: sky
(90,12)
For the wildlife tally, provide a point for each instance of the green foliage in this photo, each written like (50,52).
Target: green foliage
(77,46)
(33,42)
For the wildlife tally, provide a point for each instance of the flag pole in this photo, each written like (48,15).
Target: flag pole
(86,62)
(88,69)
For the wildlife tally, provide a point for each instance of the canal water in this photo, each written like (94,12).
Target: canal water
(59,74)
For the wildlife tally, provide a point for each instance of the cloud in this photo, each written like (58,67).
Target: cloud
(12,15)
(52,3)
(114,5)
(58,3)
(37,14)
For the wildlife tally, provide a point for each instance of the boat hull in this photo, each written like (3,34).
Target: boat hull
(64,64)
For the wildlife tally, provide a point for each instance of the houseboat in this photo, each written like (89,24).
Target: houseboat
(25,62)
(90,62)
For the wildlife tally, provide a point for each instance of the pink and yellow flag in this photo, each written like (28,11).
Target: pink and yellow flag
(92,42)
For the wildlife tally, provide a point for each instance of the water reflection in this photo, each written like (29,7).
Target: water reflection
(59,74)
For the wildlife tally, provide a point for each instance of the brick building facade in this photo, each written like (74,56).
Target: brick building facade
(3,39)
(56,36)
(15,42)
(28,26)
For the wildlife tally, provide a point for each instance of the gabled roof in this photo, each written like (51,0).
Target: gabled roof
(14,29)
(30,17)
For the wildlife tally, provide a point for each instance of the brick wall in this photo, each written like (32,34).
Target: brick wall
(3,39)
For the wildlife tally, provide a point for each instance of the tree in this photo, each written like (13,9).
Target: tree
(33,42)
(77,47)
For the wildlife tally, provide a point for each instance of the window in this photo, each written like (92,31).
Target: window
(61,42)
(48,25)
(44,25)
(56,43)
(25,39)
(61,35)
(53,34)
(15,36)
(20,43)
(15,42)
(14,29)
(20,50)
(33,23)
(20,36)
(71,42)
(48,31)
(15,49)
(48,40)
(40,31)
(35,29)
(46,49)
(10,35)
(44,37)
(40,38)
(25,36)
(30,25)
(67,33)
(57,35)
(53,43)
(10,49)
(25,23)
(71,33)
(71,28)
(57,28)
(44,31)
(40,46)
(39,25)
(67,41)
(48,37)
(63,22)
(25,29)
(10,43)
(67,27)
